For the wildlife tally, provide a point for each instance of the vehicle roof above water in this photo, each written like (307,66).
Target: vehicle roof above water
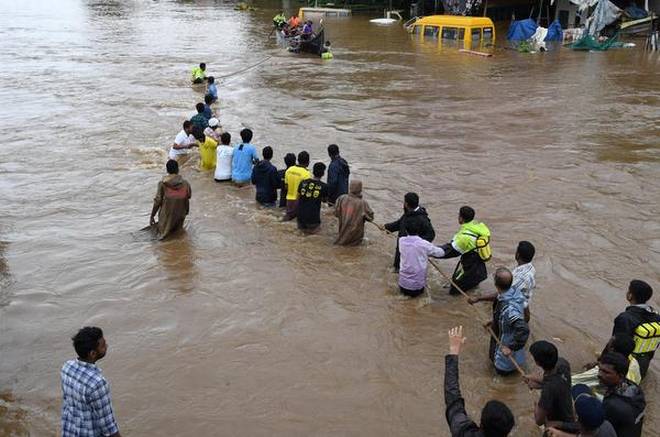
(454,20)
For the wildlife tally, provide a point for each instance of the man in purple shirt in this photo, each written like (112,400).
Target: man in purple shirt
(415,252)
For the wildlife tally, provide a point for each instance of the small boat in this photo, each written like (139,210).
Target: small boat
(297,45)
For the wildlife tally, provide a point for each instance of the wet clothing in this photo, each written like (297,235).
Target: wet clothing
(460,424)
(624,408)
(207,154)
(198,75)
(291,209)
(264,176)
(411,293)
(173,202)
(182,139)
(338,172)
(200,121)
(208,112)
(213,133)
(293,176)
(241,164)
(513,330)
(525,281)
(418,215)
(86,403)
(212,90)
(415,252)
(556,398)
(352,212)
(223,157)
(471,269)
(280,176)
(311,193)
(626,323)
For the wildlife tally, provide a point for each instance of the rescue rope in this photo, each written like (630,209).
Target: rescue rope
(222,78)
(479,315)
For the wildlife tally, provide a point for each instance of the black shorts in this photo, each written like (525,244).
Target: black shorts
(411,293)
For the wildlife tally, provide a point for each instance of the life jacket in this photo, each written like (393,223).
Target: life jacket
(475,237)
(326,55)
(647,337)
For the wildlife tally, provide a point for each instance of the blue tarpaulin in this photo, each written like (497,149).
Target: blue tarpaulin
(521,30)
(554,32)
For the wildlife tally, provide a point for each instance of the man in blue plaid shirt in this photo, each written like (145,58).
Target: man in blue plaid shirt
(86,405)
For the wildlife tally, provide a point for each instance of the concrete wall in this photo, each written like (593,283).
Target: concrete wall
(568,12)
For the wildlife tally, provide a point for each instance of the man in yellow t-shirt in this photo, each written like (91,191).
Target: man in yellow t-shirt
(292,178)
(207,150)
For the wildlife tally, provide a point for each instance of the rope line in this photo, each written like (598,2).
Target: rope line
(221,78)
(479,315)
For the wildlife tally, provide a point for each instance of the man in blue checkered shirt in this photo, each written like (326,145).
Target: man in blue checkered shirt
(86,404)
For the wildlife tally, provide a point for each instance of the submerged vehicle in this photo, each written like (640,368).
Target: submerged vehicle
(311,13)
(471,32)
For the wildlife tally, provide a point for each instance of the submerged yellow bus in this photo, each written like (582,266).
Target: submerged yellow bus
(472,31)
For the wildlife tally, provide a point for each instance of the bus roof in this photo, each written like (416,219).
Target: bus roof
(454,20)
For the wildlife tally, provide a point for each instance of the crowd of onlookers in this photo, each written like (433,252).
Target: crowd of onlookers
(605,400)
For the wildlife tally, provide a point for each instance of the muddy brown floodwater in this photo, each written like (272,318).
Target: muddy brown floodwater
(243,327)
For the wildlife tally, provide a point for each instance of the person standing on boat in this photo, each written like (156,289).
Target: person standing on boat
(294,21)
(308,30)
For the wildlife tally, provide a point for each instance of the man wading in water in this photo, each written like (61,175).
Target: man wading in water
(352,211)
(172,202)
(412,212)
(470,238)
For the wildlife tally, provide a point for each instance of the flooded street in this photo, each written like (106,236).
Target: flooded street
(242,326)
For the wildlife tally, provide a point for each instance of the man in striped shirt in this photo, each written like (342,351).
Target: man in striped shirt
(86,404)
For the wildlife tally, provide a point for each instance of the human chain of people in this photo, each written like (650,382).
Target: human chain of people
(606,399)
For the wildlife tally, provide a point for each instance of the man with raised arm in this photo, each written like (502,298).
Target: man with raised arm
(496,417)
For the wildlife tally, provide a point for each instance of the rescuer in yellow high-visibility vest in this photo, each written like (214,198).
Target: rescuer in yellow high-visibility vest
(279,20)
(640,322)
(472,244)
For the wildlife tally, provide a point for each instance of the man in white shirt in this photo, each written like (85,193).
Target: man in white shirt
(183,142)
(524,277)
(224,156)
